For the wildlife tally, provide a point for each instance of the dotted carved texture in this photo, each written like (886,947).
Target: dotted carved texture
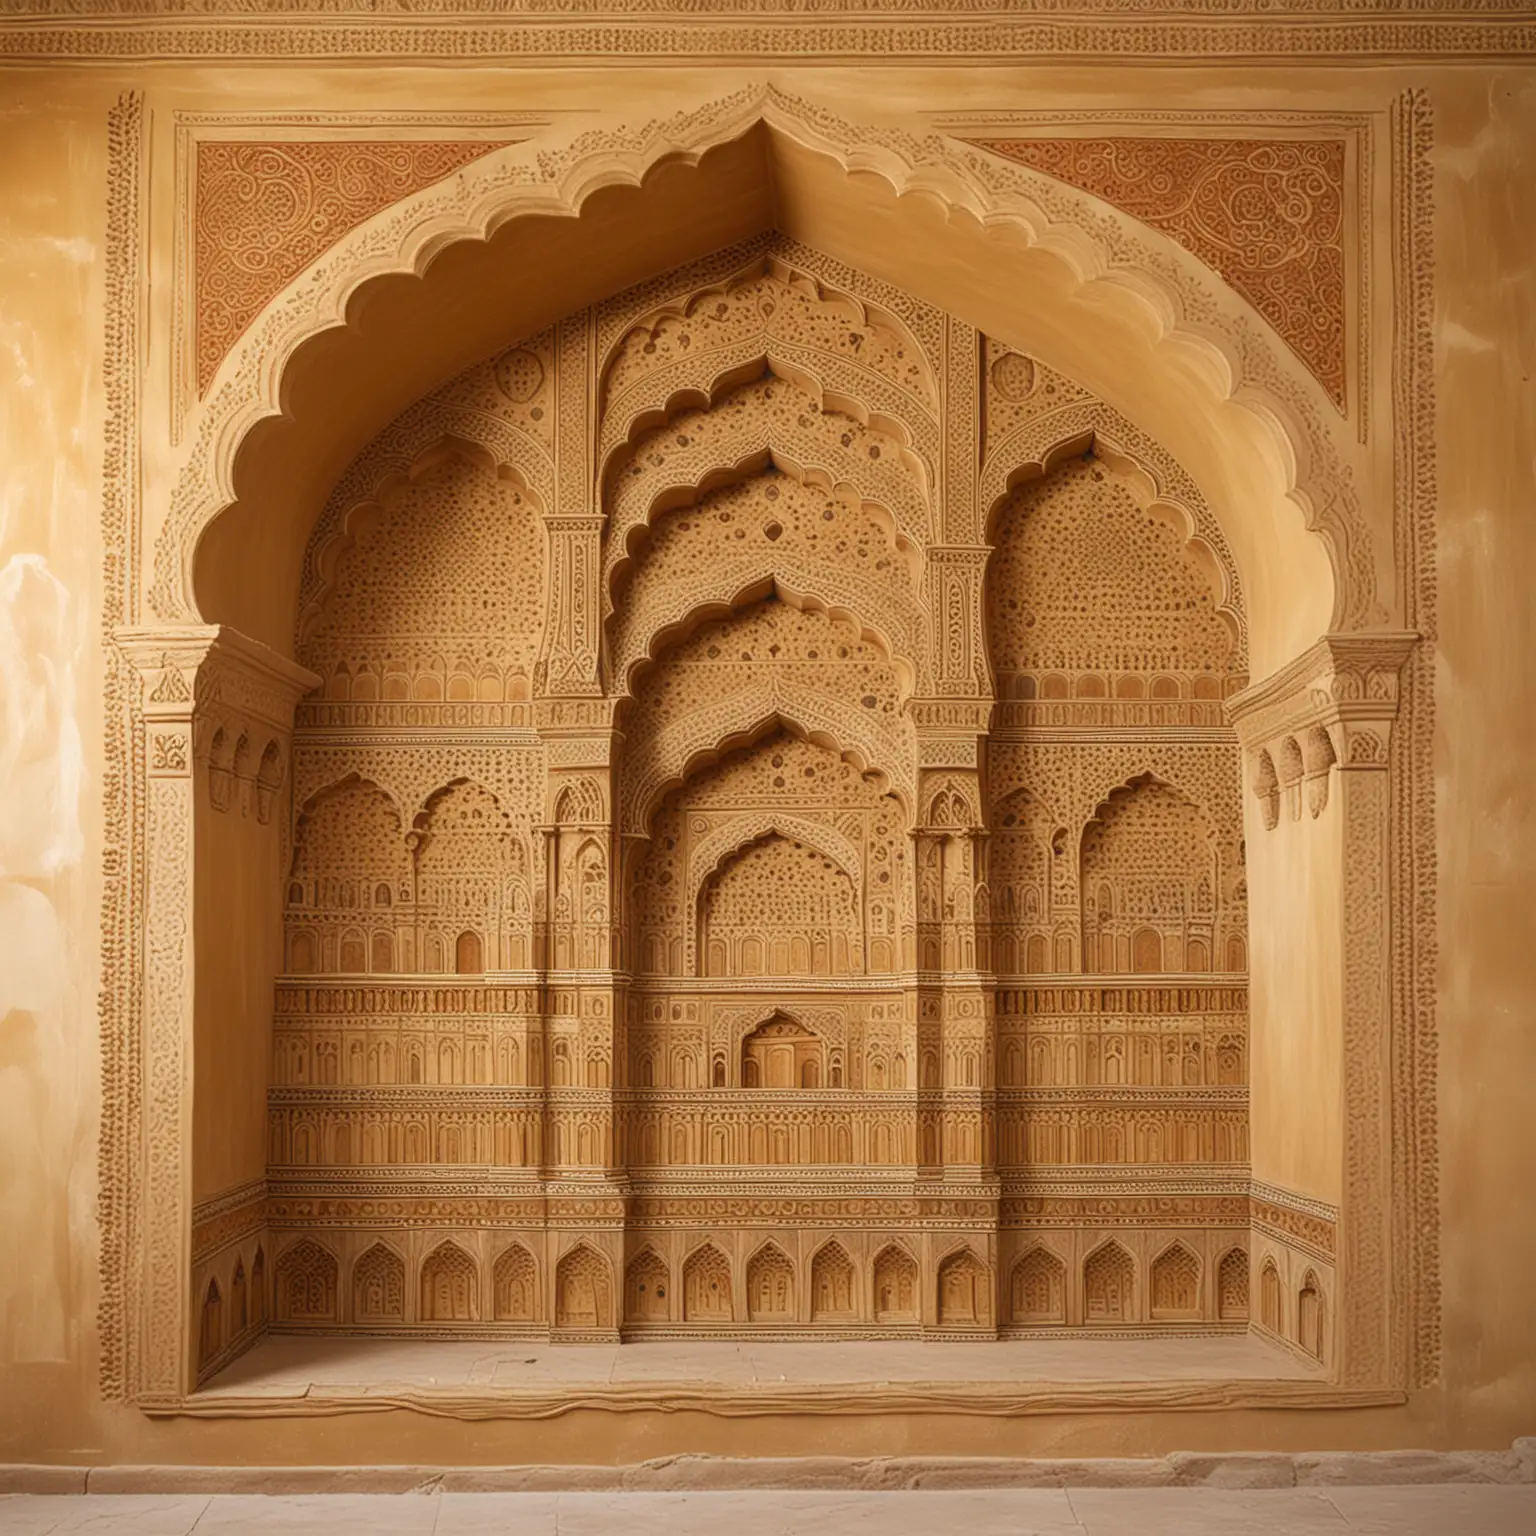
(1149,857)
(792,901)
(470,860)
(792,307)
(824,544)
(767,641)
(1073,550)
(780,773)
(378,1286)
(1039,1285)
(771,1285)
(769,413)
(515,1284)
(446,587)
(1176,1281)
(349,841)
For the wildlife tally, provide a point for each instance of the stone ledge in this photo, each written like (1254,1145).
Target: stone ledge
(1184,1469)
(978,1399)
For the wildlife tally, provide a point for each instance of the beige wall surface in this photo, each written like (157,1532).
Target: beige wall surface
(53,160)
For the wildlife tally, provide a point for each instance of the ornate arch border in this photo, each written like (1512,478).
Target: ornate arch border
(556,180)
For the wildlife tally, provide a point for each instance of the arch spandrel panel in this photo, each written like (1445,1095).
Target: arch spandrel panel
(500,412)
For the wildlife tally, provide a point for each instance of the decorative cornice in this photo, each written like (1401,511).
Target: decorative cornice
(539,33)
(188,665)
(1341,679)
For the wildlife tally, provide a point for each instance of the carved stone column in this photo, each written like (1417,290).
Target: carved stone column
(958,1190)
(1315,739)
(196,683)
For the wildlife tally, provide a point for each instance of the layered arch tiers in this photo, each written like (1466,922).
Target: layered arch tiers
(806,892)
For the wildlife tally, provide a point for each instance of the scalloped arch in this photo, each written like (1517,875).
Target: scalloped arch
(686,745)
(1038,447)
(1210,381)
(901,636)
(710,856)
(495,446)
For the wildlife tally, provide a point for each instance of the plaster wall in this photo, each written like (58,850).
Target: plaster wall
(239,865)
(1295,1025)
(53,158)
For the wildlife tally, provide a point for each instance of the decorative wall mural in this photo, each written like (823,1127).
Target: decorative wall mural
(677,936)
(264,211)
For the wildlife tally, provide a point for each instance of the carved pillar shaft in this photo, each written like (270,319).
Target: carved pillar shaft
(201,686)
(1316,739)
(1364,796)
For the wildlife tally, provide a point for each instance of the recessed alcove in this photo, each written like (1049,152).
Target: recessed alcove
(762,858)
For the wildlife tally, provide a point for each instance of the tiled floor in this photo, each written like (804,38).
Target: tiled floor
(295,1367)
(1444,1510)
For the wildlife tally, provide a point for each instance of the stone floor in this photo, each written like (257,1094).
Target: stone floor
(1444,1510)
(297,1367)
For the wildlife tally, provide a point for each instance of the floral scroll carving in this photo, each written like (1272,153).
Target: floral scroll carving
(1268,214)
(265,211)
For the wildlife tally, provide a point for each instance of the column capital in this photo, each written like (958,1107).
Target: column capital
(185,668)
(1342,680)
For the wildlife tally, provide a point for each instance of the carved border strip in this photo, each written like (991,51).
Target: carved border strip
(227,1218)
(616,34)
(122,905)
(1415,1133)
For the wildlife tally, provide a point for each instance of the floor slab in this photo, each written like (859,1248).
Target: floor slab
(301,1366)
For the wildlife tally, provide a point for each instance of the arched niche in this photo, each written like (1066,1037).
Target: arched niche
(255,475)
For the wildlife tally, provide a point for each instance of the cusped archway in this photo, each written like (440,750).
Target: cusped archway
(349,346)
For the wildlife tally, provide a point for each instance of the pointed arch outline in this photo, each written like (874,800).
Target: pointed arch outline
(632,502)
(901,637)
(404,453)
(704,736)
(1032,453)
(556,173)
(679,295)
(711,855)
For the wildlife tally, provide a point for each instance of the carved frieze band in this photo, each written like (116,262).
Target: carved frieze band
(898,30)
